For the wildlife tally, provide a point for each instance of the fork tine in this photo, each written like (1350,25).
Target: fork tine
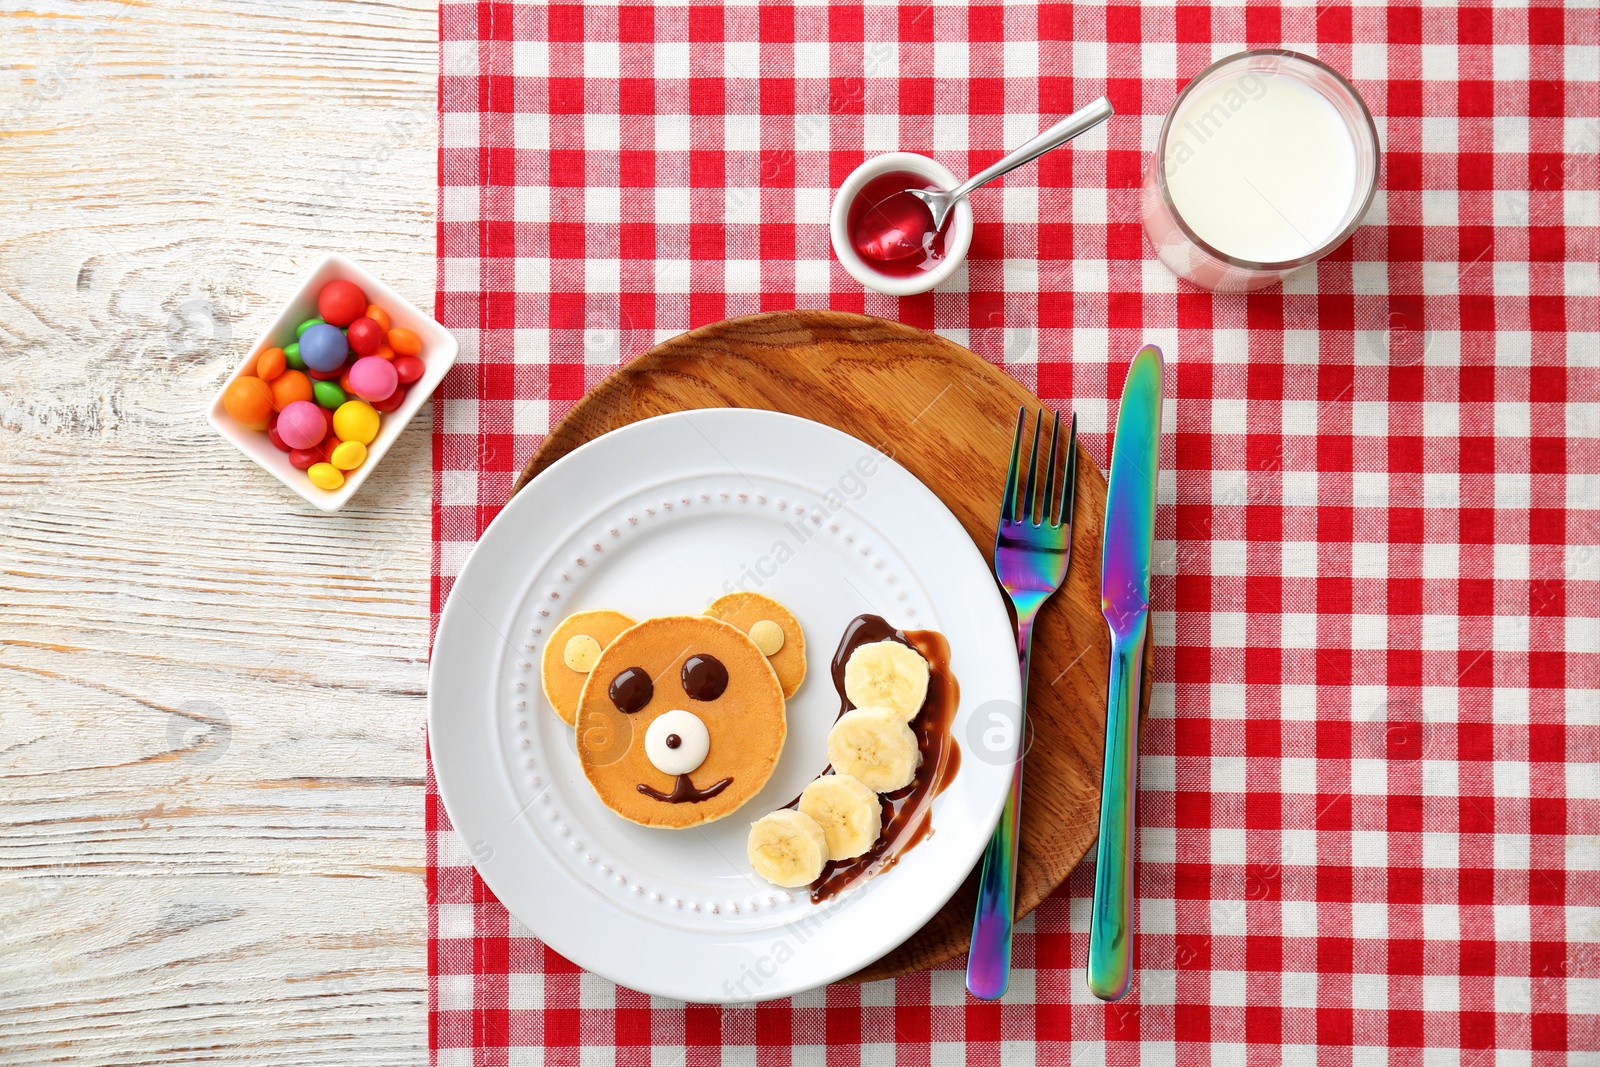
(1069,488)
(1051,494)
(1008,503)
(1028,499)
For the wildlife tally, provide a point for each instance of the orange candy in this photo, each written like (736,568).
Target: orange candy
(380,316)
(288,387)
(385,352)
(248,400)
(270,364)
(405,342)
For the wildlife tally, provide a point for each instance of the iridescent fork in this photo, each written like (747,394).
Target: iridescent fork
(1030,557)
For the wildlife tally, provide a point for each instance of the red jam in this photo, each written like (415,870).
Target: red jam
(878,210)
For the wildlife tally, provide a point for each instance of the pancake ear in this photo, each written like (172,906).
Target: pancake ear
(570,653)
(773,628)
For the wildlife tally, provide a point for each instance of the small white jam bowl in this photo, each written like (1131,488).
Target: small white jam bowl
(957,237)
(439,350)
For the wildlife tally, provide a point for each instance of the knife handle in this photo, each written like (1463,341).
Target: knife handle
(1111,915)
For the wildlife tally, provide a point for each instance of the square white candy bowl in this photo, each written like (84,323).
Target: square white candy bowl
(439,351)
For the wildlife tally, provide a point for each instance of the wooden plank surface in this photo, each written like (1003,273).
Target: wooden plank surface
(211,695)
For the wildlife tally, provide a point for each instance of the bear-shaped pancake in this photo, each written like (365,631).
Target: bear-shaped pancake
(680,722)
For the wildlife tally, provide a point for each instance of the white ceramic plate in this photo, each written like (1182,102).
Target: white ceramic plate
(660,517)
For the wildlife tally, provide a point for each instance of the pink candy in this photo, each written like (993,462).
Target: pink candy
(302,424)
(373,378)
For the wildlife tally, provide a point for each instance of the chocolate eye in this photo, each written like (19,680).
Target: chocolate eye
(631,690)
(704,677)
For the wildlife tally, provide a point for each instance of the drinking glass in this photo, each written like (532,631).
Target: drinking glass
(1194,259)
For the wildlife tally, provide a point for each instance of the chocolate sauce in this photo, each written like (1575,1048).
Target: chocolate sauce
(704,677)
(684,791)
(907,812)
(631,690)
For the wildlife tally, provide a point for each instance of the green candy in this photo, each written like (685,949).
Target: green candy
(328,395)
(291,356)
(299,331)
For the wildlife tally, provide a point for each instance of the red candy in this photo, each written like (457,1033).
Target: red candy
(304,458)
(277,441)
(365,336)
(390,403)
(341,303)
(324,375)
(409,368)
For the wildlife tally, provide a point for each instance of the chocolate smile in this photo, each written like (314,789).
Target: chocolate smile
(684,791)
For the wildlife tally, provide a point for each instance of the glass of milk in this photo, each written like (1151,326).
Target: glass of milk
(1266,162)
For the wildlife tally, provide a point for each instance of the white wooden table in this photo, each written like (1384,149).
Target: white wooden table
(211,695)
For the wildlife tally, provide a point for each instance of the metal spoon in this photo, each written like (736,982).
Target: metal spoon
(1080,121)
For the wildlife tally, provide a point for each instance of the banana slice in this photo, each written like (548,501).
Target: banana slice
(875,745)
(847,811)
(887,674)
(787,848)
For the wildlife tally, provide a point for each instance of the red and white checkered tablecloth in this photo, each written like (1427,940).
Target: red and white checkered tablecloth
(1371,776)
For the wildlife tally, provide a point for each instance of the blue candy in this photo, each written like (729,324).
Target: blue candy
(323,347)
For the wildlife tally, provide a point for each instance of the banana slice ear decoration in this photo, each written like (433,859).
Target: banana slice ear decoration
(773,628)
(572,651)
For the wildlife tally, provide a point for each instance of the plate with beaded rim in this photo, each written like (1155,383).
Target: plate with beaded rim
(660,517)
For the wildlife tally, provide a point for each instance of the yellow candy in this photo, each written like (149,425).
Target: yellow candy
(325,475)
(355,421)
(349,455)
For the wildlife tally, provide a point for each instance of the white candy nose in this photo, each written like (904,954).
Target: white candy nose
(677,742)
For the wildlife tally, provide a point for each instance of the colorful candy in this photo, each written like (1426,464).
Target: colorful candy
(341,302)
(248,400)
(323,347)
(325,475)
(270,364)
(373,378)
(408,369)
(365,336)
(329,395)
(356,421)
(405,342)
(349,455)
(301,425)
(320,399)
(288,387)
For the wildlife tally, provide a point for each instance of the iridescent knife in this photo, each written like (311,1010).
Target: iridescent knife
(1128,542)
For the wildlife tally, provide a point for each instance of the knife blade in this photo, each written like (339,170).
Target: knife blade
(1127,546)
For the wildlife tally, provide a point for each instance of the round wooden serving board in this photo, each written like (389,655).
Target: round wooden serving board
(948,416)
